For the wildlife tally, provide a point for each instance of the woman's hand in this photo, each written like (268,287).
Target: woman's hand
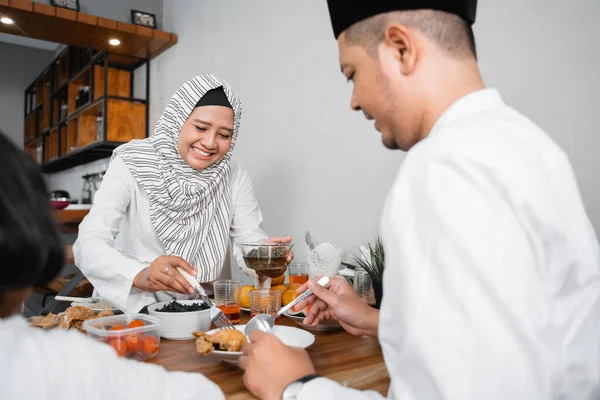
(282,239)
(162,274)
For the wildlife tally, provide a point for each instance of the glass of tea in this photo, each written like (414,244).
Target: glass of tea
(227,297)
(267,259)
(265,301)
(298,273)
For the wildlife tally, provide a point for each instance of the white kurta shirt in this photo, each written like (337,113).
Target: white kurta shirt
(116,239)
(66,365)
(493,266)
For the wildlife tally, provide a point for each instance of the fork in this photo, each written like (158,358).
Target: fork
(216,315)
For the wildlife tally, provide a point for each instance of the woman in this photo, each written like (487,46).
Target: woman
(59,364)
(172,201)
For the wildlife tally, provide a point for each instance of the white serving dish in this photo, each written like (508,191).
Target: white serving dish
(180,325)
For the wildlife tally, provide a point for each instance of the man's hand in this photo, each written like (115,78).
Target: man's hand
(270,366)
(339,302)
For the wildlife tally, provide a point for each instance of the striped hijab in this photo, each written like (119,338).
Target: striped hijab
(189,209)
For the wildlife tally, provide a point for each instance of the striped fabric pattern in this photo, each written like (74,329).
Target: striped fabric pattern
(189,209)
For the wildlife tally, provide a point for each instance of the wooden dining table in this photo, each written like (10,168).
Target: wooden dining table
(353,361)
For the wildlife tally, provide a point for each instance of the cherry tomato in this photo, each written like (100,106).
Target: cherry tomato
(149,345)
(119,346)
(133,342)
(136,323)
(117,328)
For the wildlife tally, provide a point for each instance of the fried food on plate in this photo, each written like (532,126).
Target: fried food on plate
(223,340)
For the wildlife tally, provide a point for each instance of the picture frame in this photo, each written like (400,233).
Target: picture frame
(143,19)
(68,4)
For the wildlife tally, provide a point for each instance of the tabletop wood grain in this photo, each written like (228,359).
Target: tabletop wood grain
(354,361)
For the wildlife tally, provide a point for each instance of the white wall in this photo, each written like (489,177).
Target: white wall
(71,179)
(544,57)
(19,66)
(315,164)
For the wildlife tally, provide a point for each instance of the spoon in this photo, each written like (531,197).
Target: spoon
(266,322)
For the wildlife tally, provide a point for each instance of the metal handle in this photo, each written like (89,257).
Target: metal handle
(324,281)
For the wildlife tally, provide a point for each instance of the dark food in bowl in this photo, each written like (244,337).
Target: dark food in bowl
(174,306)
(267,261)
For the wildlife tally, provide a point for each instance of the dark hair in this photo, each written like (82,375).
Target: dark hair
(449,31)
(31,252)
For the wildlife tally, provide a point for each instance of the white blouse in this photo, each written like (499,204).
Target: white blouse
(66,365)
(116,239)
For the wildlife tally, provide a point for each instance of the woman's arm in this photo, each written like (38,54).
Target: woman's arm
(108,269)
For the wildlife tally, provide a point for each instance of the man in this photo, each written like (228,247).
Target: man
(492,281)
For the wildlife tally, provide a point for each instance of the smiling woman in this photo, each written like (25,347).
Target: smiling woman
(206,136)
(172,201)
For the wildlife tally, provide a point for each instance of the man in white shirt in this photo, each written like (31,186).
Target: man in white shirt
(492,279)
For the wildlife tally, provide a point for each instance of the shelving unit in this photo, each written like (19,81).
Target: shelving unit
(83,106)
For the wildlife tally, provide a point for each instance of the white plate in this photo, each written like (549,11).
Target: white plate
(290,336)
(327,325)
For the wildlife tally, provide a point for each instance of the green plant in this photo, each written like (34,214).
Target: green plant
(376,262)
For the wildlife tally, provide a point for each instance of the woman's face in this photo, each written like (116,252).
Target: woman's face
(206,136)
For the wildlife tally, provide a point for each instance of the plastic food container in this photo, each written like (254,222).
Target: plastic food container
(135,336)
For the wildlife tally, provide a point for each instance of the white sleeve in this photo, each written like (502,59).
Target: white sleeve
(469,301)
(69,365)
(323,388)
(108,269)
(246,222)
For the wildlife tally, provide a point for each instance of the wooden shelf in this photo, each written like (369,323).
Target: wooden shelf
(35,149)
(119,82)
(84,155)
(30,128)
(126,120)
(91,131)
(72,142)
(51,146)
(34,140)
(35,109)
(61,70)
(88,125)
(45,22)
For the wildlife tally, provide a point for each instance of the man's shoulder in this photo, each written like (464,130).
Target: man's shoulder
(497,138)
